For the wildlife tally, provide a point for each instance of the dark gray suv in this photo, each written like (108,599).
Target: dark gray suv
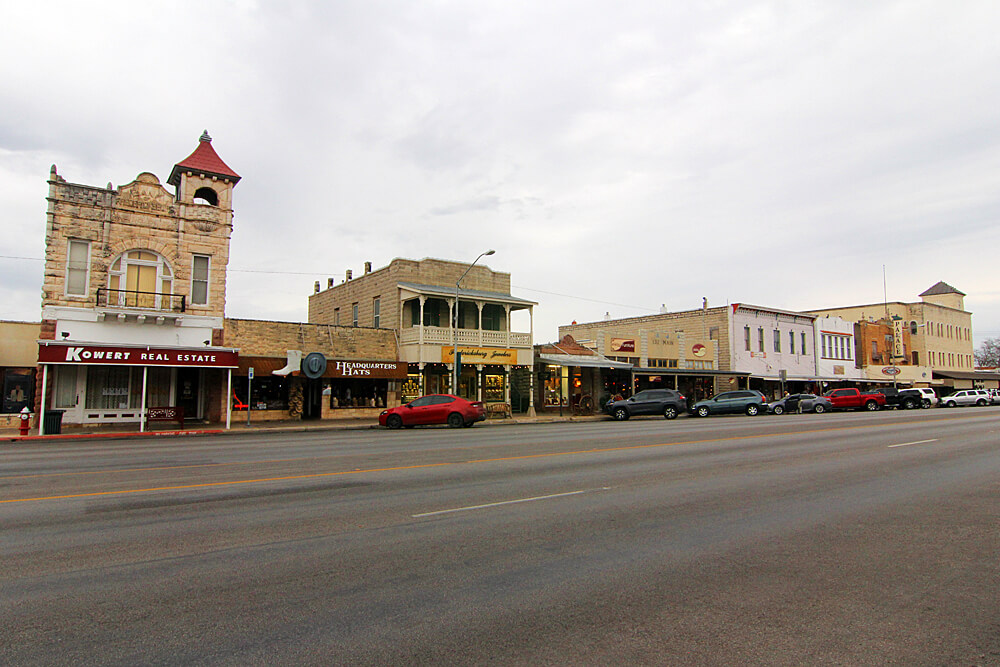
(666,402)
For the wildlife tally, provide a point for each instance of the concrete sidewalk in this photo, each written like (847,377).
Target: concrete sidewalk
(118,431)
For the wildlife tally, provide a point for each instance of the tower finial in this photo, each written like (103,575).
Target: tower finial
(205,137)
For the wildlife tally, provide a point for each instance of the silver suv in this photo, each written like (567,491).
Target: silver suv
(967,397)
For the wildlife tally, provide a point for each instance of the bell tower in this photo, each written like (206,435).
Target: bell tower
(203,178)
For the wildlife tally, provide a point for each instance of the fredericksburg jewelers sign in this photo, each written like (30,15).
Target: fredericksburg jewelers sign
(67,353)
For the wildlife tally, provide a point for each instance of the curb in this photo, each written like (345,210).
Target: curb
(135,435)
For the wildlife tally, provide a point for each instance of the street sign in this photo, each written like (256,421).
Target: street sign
(251,373)
(891,370)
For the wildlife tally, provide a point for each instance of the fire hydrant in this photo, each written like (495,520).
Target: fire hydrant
(25,421)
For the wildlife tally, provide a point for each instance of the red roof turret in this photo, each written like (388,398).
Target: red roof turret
(204,160)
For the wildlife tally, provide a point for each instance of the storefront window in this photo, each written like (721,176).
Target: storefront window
(358,393)
(554,388)
(64,394)
(411,388)
(17,389)
(495,391)
(269,392)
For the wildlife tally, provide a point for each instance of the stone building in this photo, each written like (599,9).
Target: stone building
(709,350)
(416,299)
(359,374)
(928,340)
(134,295)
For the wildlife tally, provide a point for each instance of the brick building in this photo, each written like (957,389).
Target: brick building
(416,299)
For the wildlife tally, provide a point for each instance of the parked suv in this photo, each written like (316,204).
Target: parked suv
(966,397)
(666,402)
(930,399)
(750,401)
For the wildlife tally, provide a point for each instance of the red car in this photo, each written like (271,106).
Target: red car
(434,409)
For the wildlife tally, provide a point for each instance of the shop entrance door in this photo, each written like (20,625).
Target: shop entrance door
(312,398)
(189,392)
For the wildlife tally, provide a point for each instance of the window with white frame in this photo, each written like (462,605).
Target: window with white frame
(376,312)
(200,267)
(354,315)
(77,267)
(777,340)
(140,279)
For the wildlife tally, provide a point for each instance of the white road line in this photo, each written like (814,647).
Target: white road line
(507,502)
(907,444)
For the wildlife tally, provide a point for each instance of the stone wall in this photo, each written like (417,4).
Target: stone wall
(261,338)
(139,216)
(382,283)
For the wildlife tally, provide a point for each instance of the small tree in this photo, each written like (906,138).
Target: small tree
(988,353)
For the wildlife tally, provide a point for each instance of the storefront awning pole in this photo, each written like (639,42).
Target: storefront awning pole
(142,407)
(41,406)
(229,398)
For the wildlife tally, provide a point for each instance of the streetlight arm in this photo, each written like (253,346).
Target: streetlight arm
(454,329)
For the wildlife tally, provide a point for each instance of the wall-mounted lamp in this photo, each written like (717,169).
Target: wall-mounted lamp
(207,342)
(65,334)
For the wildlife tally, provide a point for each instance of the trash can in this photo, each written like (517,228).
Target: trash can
(53,422)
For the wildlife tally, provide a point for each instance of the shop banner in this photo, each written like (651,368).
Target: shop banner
(85,355)
(480,355)
(623,345)
(373,370)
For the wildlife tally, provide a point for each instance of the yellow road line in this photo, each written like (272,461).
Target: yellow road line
(520,457)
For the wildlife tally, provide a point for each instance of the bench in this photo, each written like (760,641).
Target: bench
(166,414)
(498,411)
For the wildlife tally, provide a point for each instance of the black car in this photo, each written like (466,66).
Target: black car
(666,402)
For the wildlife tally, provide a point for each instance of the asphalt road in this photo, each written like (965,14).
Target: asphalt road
(837,539)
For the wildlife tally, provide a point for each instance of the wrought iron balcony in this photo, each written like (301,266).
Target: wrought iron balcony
(135,299)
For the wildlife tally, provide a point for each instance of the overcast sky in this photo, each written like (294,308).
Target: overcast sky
(617,155)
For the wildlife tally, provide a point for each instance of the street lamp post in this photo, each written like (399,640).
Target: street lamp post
(454,328)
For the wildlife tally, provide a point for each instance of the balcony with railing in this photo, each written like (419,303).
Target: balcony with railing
(470,337)
(123,303)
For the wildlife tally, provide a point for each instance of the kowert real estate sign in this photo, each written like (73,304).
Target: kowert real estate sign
(85,355)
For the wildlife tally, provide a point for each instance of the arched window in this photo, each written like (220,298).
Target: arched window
(206,196)
(140,279)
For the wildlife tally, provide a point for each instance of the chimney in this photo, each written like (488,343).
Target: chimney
(368,267)
(349,274)
(329,283)
(316,287)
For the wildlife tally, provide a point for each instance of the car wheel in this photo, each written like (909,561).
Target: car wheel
(670,412)
(819,408)
(778,410)
(455,420)
(620,414)
(980,402)
(950,404)
(702,411)
(910,405)
(752,410)
(926,403)
(393,421)
(871,406)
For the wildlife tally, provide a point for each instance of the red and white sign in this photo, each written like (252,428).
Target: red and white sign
(84,355)
(891,370)
(699,350)
(623,345)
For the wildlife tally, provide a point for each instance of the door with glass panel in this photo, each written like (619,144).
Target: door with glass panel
(140,279)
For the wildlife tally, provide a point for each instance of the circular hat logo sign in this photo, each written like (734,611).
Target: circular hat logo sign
(314,365)
(699,350)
